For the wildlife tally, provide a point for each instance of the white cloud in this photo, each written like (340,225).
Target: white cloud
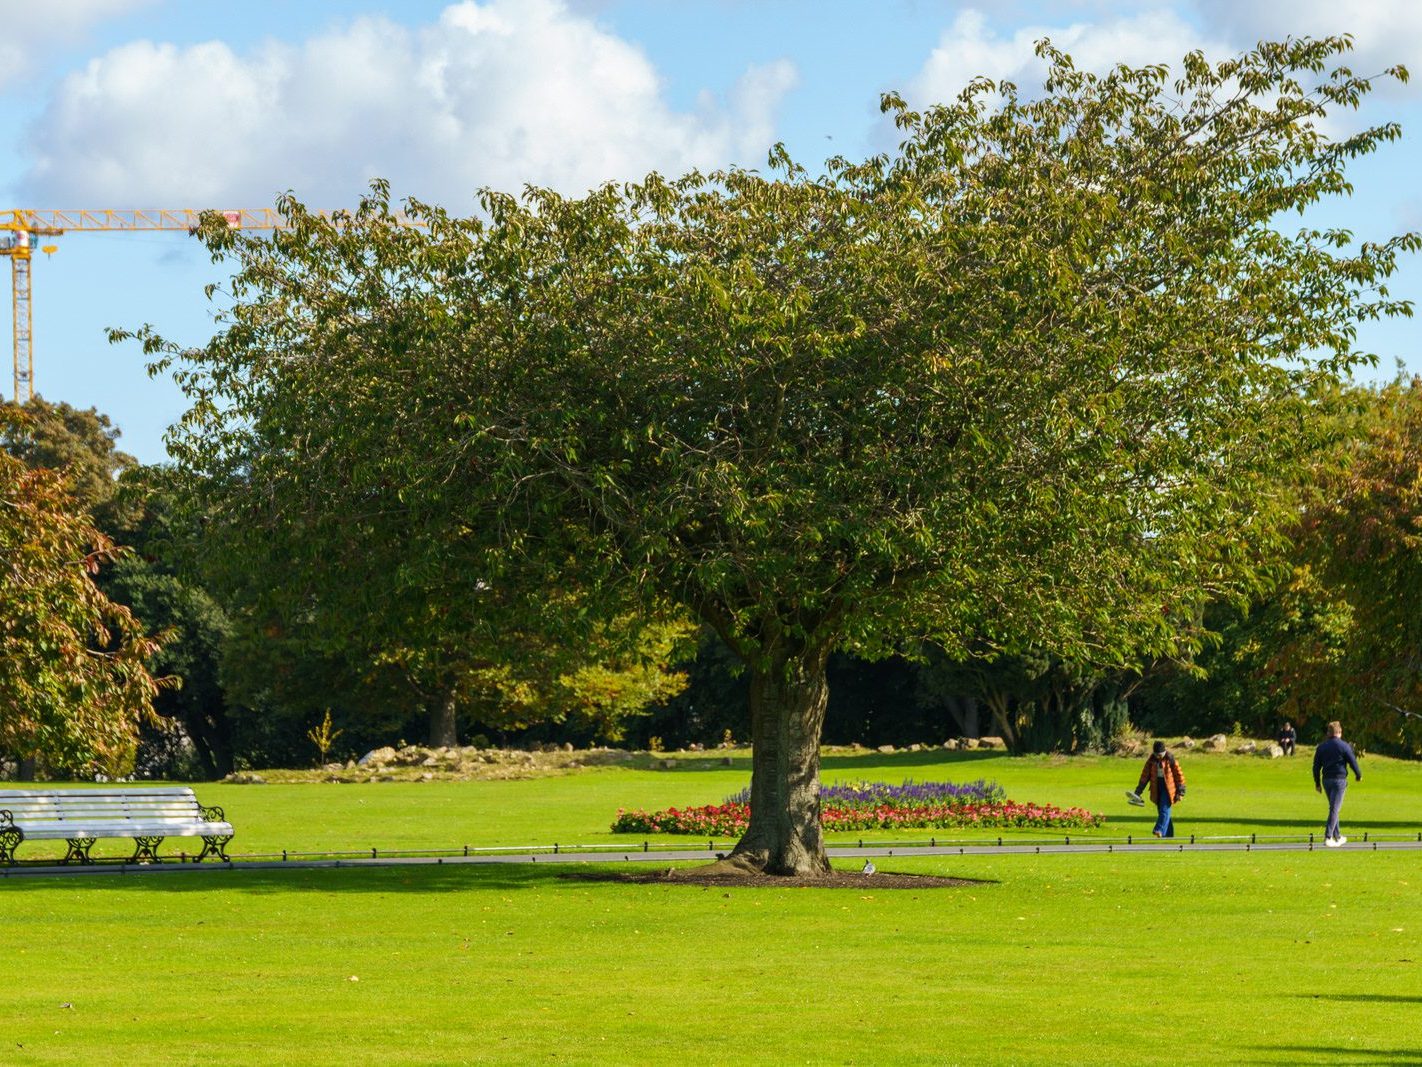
(497,93)
(1385,32)
(970,48)
(32,28)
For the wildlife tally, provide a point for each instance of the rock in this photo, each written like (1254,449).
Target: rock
(1186,742)
(567,747)
(951,745)
(1246,749)
(245,778)
(915,748)
(696,746)
(967,742)
(377,757)
(430,761)
(886,749)
(427,777)
(349,765)
(991,742)
(1269,751)
(1217,743)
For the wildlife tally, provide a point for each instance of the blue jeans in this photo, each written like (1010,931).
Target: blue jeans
(1333,789)
(1163,826)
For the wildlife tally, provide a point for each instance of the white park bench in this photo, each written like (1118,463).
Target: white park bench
(147,814)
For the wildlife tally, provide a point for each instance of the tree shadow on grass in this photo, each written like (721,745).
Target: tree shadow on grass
(414,878)
(1185,825)
(1361,998)
(928,757)
(1303,826)
(1343,1054)
(934,757)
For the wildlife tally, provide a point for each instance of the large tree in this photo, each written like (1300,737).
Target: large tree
(1022,381)
(1347,640)
(74,684)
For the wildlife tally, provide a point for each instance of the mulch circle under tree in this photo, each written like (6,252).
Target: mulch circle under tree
(720,879)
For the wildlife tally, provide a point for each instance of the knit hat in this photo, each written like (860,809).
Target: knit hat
(1158,748)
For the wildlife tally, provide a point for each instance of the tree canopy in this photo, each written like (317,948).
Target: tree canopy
(1355,646)
(1024,381)
(74,686)
(82,443)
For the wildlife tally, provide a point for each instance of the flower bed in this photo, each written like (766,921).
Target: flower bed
(909,795)
(873,806)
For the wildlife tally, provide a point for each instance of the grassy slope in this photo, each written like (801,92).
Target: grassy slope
(1260,957)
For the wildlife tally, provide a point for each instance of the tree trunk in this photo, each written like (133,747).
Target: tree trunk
(787,704)
(444,723)
(25,769)
(211,740)
(1000,705)
(965,715)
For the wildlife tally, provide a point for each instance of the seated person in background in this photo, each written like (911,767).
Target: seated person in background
(1287,738)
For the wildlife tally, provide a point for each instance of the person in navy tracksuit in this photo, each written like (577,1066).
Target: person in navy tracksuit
(1331,762)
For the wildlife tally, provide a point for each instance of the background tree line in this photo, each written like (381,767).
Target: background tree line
(1330,635)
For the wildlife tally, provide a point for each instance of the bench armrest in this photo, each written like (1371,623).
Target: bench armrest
(212,813)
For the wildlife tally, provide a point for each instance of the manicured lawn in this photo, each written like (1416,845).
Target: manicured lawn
(1233,957)
(1226,795)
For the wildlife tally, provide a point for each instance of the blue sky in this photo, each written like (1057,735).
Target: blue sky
(194,104)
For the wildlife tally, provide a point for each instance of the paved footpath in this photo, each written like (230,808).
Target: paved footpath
(1167,847)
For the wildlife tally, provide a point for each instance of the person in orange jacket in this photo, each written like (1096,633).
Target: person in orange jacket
(1167,786)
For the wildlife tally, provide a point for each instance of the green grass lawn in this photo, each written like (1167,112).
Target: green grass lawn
(1279,957)
(1226,795)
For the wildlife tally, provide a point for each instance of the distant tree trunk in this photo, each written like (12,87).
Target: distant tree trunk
(444,723)
(787,703)
(25,769)
(1000,704)
(213,746)
(965,715)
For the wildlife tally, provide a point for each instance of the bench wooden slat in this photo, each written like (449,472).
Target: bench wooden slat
(81,829)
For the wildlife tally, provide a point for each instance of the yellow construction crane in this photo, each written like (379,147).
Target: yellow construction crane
(21,232)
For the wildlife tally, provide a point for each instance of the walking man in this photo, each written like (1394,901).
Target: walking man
(1167,787)
(1331,761)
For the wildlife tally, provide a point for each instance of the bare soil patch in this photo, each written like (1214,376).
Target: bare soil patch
(710,878)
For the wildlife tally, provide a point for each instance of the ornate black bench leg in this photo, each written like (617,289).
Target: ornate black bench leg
(146,848)
(10,838)
(215,845)
(79,849)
